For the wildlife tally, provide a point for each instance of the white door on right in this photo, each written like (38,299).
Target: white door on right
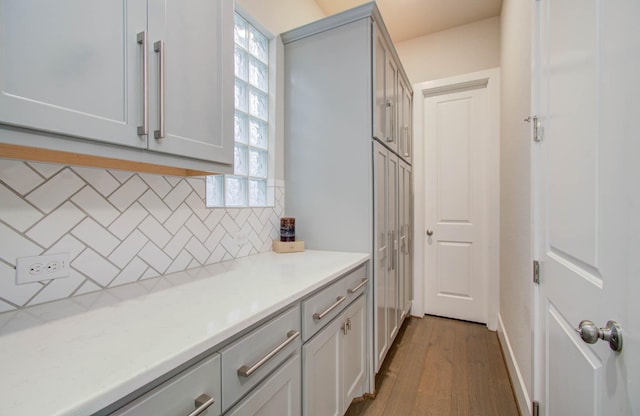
(587,184)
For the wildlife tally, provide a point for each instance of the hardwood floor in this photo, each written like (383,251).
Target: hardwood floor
(440,366)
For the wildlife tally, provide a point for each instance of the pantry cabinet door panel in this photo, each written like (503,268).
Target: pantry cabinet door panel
(73,67)
(198,69)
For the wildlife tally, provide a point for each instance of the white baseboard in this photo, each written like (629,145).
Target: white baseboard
(519,387)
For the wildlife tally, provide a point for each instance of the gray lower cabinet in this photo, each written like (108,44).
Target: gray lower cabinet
(132,74)
(268,371)
(251,359)
(278,395)
(195,388)
(334,365)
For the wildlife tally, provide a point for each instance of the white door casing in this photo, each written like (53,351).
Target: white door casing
(491,196)
(586,177)
(457,191)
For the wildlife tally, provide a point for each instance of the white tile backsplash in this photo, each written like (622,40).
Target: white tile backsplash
(117,226)
(52,193)
(56,224)
(19,176)
(18,213)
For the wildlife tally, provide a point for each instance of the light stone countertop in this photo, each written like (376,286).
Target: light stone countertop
(78,355)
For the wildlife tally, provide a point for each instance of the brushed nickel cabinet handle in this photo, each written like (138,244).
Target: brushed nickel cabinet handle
(362,283)
(144,129)
(158,47)
(248,370)
(318,316)
(203,402)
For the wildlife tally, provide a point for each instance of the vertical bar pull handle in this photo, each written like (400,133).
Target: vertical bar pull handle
(144,129)
(158,47)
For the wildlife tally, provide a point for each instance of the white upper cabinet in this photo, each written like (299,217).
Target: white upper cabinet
(73,67)
(95,70)
(197,120)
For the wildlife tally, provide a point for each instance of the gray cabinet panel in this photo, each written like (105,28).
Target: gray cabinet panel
(198,64)
(73,67)
(354,366)
(251,348)
(279,395)
(177,396)
(334,366)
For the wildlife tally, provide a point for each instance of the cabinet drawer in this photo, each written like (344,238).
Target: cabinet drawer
(253,357)
(356,282)
(178,395)
(325,305)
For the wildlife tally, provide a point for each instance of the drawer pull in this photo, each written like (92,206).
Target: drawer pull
(355,289)
(203,402)
(318,316)
(246,371)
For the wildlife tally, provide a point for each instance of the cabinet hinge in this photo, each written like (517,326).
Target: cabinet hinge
(535,408)
(537,128)
(536,272)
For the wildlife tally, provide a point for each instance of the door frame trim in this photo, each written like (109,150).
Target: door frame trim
(429,88)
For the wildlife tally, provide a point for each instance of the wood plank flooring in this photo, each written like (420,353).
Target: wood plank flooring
(441,367)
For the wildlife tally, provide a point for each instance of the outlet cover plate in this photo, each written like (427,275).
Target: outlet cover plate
(39,268)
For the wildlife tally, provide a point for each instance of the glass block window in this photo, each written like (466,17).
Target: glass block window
(248,184)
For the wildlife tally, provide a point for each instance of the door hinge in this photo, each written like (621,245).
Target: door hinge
(536,272)
(537,128)
(535,408)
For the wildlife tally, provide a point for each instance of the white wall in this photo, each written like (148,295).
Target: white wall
(516,309)
(461,50)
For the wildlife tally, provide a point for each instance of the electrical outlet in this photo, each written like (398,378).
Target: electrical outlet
(38,268)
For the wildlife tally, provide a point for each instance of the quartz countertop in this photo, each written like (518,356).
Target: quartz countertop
(79,355)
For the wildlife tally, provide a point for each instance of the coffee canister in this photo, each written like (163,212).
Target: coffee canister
(287,229)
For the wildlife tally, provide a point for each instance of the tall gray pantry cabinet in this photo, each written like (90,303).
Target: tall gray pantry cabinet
(348,106)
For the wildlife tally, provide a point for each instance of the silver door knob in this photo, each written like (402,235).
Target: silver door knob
(429,233)
(612,333)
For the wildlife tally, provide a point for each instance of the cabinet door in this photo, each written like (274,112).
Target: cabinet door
(73,67)
(404,119)
(322,372)
(407,120)
(391,97)
(353,351)
(381,253)
(392,301)
(379,91)
(278,395)
(197,87)
(406,224)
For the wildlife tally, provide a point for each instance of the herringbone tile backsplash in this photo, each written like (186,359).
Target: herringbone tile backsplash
(118,227)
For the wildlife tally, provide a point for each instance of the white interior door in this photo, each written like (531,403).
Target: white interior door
(456,256)
(586,214)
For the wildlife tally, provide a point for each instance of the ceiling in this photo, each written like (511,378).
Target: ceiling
(407,19)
